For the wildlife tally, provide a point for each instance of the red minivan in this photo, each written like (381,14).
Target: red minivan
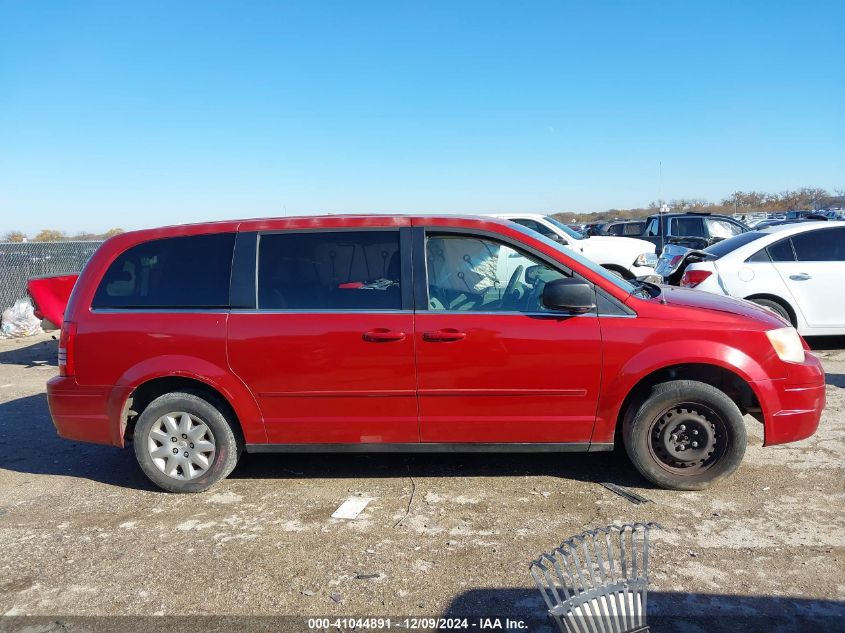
(393,333)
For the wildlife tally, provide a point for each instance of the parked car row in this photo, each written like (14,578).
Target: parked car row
(795,269)
(626,257)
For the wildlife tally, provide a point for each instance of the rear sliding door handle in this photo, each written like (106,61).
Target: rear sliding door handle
(800,277)
(444,336)
(383,335)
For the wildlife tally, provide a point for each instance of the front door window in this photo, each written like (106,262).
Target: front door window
(467,273)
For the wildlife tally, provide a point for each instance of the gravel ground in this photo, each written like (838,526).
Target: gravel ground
(82,532)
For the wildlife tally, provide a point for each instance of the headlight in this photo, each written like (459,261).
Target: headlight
(787,344)
(646,259)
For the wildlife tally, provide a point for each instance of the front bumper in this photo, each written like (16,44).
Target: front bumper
(792,406)
(82,413)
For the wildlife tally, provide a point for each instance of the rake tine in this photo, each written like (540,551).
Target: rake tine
(588,560)
(645,574)
(570,560)
(611,600)
(600,601)
(559,573)
(612,564)
(626,594)
(549,579)
(549,603)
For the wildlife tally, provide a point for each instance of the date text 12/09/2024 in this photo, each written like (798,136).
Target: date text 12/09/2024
(422,623)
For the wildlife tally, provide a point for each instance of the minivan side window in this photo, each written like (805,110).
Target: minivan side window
(329,270)
(468,273)
(823,245)
(175,272)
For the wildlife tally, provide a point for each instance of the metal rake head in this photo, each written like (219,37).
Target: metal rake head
(597,582)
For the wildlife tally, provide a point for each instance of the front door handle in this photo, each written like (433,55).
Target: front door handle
(383,335)
(800,277)
(444,336)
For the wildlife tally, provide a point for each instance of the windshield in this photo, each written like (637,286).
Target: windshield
(587,263)
(575,235)
(720,249)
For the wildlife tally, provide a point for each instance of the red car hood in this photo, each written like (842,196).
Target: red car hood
(690,298)
(50,296)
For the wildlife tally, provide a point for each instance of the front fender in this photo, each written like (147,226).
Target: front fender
(619,379)
(218,378)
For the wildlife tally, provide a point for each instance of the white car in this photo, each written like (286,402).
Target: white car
(626,256)
(796,270)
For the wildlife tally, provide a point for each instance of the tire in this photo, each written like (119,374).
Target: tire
(168,424)
(681,413)
(776,307)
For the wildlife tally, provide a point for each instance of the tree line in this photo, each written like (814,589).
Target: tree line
(743,202)
(51,235)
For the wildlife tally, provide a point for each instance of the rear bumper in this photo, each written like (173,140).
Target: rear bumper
(792,407)
(82,413)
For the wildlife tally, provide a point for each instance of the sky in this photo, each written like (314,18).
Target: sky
(142,113)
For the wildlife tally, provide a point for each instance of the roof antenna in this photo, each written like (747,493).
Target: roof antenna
(664,208)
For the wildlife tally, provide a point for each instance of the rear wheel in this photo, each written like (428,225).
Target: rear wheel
(685,435)
(776,307)
(184,443)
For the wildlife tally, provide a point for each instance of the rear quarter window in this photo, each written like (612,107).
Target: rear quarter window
(720,249)
(782,251)
(176,272)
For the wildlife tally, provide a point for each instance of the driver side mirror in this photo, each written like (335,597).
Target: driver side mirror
(569,295)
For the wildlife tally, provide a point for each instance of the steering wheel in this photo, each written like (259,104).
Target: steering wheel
(512,283)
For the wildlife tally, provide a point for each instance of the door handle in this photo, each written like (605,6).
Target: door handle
(800,277)
(383,335)
(444,336)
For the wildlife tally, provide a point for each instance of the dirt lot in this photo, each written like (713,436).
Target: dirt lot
(82,533)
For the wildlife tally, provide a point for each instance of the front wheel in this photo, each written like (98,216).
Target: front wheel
(776,307)
(686,435)
(183,443)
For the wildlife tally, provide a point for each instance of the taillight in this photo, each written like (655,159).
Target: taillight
(675,260)
(692,278)
(67,344)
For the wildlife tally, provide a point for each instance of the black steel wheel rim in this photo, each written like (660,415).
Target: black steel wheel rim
(688,438)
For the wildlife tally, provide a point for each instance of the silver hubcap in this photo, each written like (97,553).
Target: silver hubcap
(181,445)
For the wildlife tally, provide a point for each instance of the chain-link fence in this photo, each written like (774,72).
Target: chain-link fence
(22,261)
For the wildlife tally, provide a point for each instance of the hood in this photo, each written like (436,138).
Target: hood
(611,241)
(691,298)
